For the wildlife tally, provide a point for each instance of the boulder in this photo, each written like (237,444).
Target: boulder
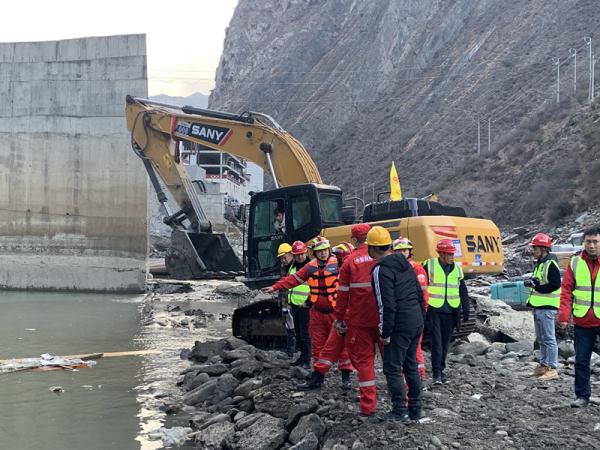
(300,410)
(307,424)
(251,349)
(502,323)
(566,349)
(214,370)
(247,420)
(214,436)
(477,337)
(248,369)
(266,433)
(201,351)
(309,442)
(234,343)
(247,387)
(472,348)
(499,347)
(232,288)
(212,419)
(198,380)
(201,393)
(522,348)
(299,373)
(225,386)
(232,355)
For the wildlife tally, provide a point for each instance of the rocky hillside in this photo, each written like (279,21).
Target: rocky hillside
(362,83)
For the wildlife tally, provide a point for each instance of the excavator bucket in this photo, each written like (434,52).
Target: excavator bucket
(201,255)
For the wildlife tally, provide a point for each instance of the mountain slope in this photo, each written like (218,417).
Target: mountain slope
(362,83)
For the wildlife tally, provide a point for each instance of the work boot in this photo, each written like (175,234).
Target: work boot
(444,378)
(298,362)
(346,383)
(551,374)
(539,371)
(437,379)
(401,417)
(315,381)
(579,402)
(414,413)
(306,365)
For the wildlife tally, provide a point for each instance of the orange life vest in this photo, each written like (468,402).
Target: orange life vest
(323,281)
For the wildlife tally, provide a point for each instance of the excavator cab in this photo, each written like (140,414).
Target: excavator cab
(288,214)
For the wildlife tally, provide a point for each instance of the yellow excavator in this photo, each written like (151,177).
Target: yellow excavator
(299,208)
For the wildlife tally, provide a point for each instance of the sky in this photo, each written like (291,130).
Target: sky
(184,38)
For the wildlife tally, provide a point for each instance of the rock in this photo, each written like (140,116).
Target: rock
(566,349)
(213,370)
(246,406)
(201,393)
(311,423)
(214,436)
(265,433)
(234,343)
(248,369)
(299,373)
(477,337)
(358,445)
(215,418)
(247,387)
(435,441)
(341,447)
(240,415)
(232,289)
(226,384)
(472,348)
(201,351)
(300,410)
(309,442)
(251,349)
(232,355)
(522,348)
(248,420)
(199,380)
(499,347)
(263,356)
(501,322)
(502,433)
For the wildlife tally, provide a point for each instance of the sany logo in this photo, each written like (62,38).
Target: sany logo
(208,133)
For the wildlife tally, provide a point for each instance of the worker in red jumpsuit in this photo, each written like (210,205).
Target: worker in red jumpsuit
(321,275)
(404,246)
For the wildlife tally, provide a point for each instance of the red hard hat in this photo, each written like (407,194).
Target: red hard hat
(541,240)
(360,230)
(446,246)
(298,248)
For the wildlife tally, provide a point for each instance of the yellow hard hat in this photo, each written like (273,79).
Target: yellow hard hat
(283,249)
(378,237)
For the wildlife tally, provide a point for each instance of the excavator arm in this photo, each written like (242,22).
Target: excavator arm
(157,129)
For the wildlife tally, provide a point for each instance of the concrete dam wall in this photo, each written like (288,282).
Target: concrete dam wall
(73,196)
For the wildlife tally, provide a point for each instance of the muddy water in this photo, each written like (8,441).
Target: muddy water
(98,409)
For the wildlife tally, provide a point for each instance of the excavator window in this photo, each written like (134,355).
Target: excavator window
(331,207)
(301,214)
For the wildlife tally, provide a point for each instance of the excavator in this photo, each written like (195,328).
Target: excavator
(299,208)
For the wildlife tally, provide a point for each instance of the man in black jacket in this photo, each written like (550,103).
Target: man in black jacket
(402,314)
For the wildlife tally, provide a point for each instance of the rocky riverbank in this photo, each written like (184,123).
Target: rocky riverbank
(227,394)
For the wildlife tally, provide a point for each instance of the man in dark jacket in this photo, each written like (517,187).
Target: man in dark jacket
(402,314)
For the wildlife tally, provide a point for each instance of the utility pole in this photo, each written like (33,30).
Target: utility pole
(557,63)
(573,54)
(489,135)
(478,137)
(593,76)
(588,41)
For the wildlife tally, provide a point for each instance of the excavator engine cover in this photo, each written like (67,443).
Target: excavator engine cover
(201,255)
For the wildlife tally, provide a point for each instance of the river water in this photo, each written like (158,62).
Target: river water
(113,405)
(98,409)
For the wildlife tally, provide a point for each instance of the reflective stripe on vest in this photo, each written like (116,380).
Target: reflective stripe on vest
(585,292)
(537,299)
(323,284)
(443,287)
(299,294)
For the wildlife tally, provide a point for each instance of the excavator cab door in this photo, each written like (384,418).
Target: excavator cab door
(288,214)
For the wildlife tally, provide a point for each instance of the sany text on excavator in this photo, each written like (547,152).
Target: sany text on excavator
(300,208)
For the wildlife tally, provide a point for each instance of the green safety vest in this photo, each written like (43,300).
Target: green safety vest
(535,298)
(298,295)
(443,287)
(584,292)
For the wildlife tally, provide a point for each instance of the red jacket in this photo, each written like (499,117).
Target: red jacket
(301,277)
(566,295)
(356,303)
(422,277)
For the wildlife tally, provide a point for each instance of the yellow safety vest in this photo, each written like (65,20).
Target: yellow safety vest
(443,287)
(585,292)
(537,299)
(299,294)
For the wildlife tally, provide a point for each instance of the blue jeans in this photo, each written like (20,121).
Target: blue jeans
(544,321)
(585,338)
